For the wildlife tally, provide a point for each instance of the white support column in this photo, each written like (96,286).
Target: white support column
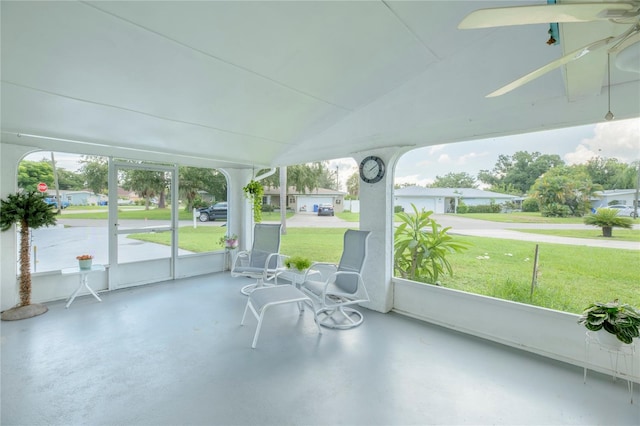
(376,215)
(240,213)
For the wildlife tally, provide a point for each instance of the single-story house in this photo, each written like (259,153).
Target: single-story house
(446,200)
(300,201)
(614,196)
(75,198)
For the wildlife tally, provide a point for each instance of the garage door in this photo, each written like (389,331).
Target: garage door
(309,202)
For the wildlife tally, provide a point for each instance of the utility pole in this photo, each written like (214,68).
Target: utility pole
(55,181)
(635,210)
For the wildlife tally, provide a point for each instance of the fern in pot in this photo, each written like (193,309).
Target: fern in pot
(297,262)
(618,319)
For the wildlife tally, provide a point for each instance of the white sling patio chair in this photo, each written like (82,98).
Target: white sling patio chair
(263,260)
(336,287)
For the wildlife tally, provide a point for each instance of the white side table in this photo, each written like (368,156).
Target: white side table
(84,280)
(615,351)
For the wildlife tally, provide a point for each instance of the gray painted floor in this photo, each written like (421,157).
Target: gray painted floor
(174,354)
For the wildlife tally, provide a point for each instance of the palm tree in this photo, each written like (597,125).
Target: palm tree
(608,219)
(27,210)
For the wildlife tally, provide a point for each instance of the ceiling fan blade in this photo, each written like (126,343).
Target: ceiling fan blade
(544,14)
(572,56)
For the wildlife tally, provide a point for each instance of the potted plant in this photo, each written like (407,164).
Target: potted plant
(85,261)
(229,241)
(27,210)
(297,262)
(254,191)
(619,319)
(607,219)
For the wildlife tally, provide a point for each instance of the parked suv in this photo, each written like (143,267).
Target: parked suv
(325,210)
(216,211)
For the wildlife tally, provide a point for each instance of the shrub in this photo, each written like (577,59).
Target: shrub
(421,247)
(462,208)
(398,209)
(555,210)
(530,205)
(267,208)
(485,208)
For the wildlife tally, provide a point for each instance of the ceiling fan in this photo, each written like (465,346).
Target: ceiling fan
(626,13)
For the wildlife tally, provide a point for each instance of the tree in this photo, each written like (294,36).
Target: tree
(519,171)
(95,171)
(146,183)
(28,210)
(68,180)
(353,185)
(607,219)
(195,179)
(30,173)
(455,180)
(565,186)
(606,172)
(304,177)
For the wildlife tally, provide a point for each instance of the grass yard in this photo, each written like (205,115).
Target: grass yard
(570,277)
(617,235)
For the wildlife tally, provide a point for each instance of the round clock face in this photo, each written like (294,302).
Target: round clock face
(372,169)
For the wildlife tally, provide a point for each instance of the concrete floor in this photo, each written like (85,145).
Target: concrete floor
(174,354)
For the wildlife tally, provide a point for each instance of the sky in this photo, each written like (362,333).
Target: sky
(575,145)
(615,139)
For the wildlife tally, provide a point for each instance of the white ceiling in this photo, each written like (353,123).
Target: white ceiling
(276,83)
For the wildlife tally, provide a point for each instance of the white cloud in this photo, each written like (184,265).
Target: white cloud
(412,179)
(435,148)
(616,139)
(464,159)
(444,158)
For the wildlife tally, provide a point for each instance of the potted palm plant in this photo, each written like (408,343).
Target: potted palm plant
(618,319)
(28,210)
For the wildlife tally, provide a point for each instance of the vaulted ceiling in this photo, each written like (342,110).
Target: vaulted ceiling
(275,83)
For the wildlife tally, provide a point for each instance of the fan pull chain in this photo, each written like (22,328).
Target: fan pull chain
(609,115)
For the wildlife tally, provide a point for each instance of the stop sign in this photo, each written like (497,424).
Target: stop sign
(42,187)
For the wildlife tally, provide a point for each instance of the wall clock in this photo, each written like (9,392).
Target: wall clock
(372,169)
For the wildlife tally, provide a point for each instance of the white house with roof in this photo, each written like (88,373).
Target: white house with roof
(446,200)
(300,201)
(614,196)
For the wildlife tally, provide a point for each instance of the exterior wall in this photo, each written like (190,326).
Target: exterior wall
(426,203)
(542,331)
(624,197)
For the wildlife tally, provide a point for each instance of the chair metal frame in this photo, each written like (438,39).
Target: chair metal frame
(328,284)
(262,261)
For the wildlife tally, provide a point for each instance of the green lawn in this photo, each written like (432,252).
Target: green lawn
(520,217)
(596,233)
(570,277)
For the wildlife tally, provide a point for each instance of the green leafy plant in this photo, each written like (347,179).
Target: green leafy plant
(619,319)
(421,247)
(27,210)
(607,219)
(229,241)
(254,191)
(297,262)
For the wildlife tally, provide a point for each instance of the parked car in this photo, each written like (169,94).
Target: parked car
(623,210)
(52,202)
(325,210)
(216,211)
